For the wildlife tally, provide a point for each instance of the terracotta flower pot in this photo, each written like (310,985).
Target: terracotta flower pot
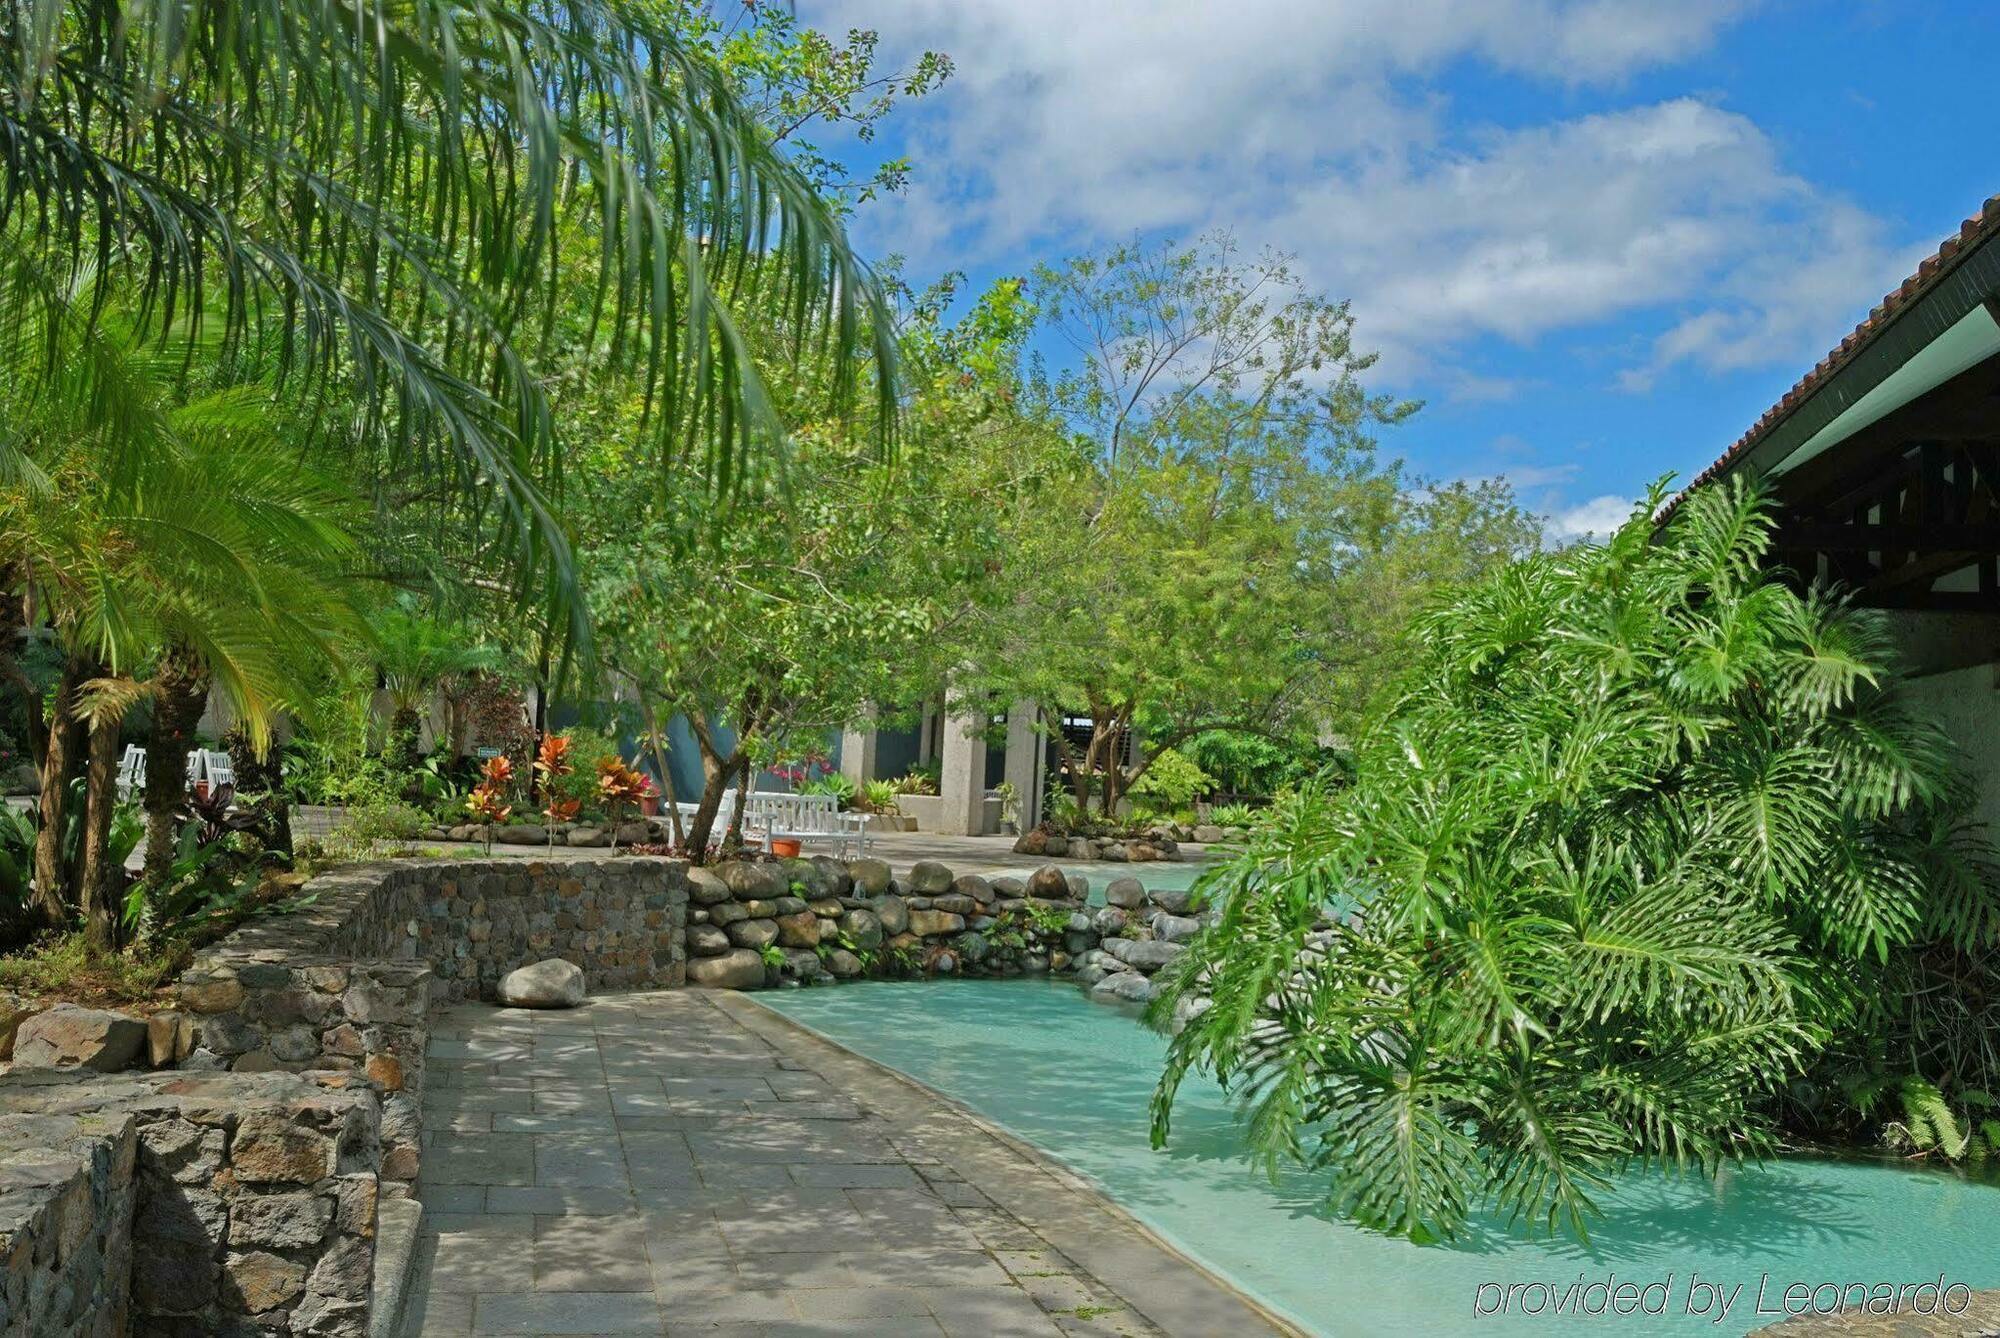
(784,849)
(649,805)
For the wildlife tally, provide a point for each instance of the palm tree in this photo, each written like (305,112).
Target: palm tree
(417,656)
(403,198)
(141,524)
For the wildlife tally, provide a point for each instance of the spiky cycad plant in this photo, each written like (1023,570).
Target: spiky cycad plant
(1640,824)
(152,525)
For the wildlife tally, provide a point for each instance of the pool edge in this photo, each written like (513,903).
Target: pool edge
(1077,1180)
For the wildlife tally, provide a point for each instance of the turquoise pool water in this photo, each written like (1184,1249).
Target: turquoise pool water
(1073,1077)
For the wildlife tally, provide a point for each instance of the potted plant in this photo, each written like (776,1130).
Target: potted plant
(649,796)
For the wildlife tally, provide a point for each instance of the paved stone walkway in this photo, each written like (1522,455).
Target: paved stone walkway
(688,1162)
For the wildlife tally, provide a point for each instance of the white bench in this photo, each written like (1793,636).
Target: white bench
(807,817)
(202,765)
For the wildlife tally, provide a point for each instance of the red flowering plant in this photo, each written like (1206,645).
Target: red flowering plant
(810,767)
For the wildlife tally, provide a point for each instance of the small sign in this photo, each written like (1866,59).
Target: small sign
(485,753)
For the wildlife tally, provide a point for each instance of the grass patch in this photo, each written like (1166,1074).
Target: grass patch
(61,966)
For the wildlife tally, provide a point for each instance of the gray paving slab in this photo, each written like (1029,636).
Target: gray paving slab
(686,1162)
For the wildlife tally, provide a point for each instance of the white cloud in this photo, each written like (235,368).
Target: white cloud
(1313,129)
(1538,476)
(1590,521)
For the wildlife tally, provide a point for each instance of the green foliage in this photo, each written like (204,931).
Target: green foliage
(918,780)
(1638,833)
(1218,546)
(587,749)
(1258,764)
(17,847)
(469,174)
(1173,779)
(1233,815)
(1048,921)
(878,796)
(67,967)
(371,822)
(835,783)
(209,886)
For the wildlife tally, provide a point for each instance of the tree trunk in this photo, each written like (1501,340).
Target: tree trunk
(406,735)
(181,690)
(102,882)
(60,757)
(655,743)
(734,841)
(715,774)
(262,776)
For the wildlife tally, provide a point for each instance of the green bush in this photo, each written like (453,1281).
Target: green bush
(834,783)
(586,749)
(1645,844)
(1173,780)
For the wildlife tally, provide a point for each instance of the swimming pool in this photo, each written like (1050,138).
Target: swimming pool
(1073,1077)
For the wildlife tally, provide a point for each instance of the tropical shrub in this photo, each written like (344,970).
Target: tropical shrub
(920,780)
(1645,837)
(878,796)
(1259,764)
(1233,815)
(587,750)
(1171,781)
(834,783)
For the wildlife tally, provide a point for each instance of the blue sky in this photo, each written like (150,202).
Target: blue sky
(1597,237)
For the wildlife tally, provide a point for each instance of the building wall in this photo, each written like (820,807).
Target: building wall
(1966,703)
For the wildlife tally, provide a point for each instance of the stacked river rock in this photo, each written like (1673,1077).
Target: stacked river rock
(755,925)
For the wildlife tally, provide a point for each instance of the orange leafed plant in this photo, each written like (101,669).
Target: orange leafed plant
(552,758)
(563,810)
(499,771)
(619,783)
(489,804)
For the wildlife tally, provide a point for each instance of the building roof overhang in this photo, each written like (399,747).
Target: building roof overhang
(1936,324)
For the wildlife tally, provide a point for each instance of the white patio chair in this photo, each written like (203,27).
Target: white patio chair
(132,771)
(725,813)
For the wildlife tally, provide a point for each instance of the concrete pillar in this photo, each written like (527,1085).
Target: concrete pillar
(1026,753)
(857,752)
(962,786)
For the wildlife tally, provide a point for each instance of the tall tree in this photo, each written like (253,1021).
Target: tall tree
(1215,557)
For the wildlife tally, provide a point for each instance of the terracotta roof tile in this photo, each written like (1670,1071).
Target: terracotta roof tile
(1933,269)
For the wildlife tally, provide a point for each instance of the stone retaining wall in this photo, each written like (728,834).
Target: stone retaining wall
(66,1206)
(346,982)
(756,925)
(472,921)
(171,1203)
